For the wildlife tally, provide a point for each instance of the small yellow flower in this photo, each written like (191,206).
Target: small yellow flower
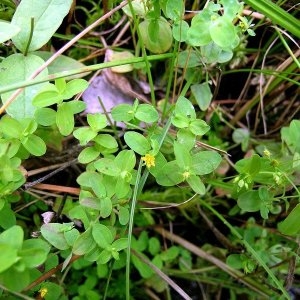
(267,153)
(186,175)
(43,292)
(149,160)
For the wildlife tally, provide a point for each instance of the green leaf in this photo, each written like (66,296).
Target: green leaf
(65,119)
(180,120)
(199,127)
(107,141)
(102,235)
(205,162)
(76,106)
(7,31)
(105,207)
(123,113)
(35,145)
(137,142)
(249,201)
(60,84)
(186,137)
(126,160)
(189,59)
(71,236)
(11,127)
(154,245)
(232,8)
(87,155)
(15,280)
(92,180)
(97,121)
(54,234)
(196,184)
(107,166)
(170,174)
(123,215)
(54,291)
(47,18)
(7,216)
(202,94)
(16,68)
(8,257)
(223,33)
(182,155)
(120,244)
(234,261)
(45,116)
(174,9)
(84,135)
(146,113)
(241,136)
(12,237)
(254,165)
(180,30)
(198,34)
(104,257)
(290,225)
(185,107)
(49,95)
(34,252)
(74,87)
(156,34)
(170,254)
(291,135)
(84,243)
(144,270)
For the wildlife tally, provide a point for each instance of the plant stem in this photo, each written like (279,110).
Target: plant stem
(132,209)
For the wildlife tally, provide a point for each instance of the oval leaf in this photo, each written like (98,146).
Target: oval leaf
(7,31)
(137,142)
(16,68)
(102,235)
(47,16)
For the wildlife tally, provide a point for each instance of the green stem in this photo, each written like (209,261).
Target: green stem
(86,69)
(132,209)
(30,36)
(148,69)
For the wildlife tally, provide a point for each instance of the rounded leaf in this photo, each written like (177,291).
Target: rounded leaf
(137,142)
(54,234)
(97,121)
(84,135)
(7,31)
(46,19)
(249,201)
(223,33)
(102,235)
(146,113)
(84,243)
(205,162)
(87,155)
(65,119)
(163,38)
(16,68)
(45,116)
(35,145)
(122,113)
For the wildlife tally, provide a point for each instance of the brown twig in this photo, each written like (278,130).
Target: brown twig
(48,274)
